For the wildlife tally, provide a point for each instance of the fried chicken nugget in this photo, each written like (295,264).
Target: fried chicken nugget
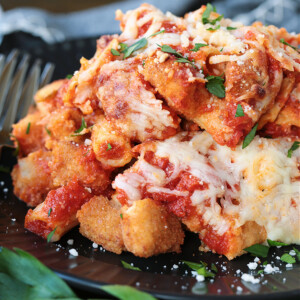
(101,223)
(148,229)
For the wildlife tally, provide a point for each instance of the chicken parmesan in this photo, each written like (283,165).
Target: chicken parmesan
(178,123)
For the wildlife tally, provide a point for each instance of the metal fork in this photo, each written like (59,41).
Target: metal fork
(16,93)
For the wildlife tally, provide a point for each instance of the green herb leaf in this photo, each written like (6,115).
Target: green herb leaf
(274,243)
(294,147)
(265,263)
(114,52)
(121,216)
(136,46)
(192,265)
(4,169)
(143,63)
(214,21)
(168,49)
(297,253)
(28,128)
(42,283)
(49,211)
(123,46)
(185,61)
(215,85)
(258,250)
(124,292)
(109,147)
(83,126)
(17,150)
(129,266)
(231,28)
(287,44)
(288,258)
(69,76)
(206,13)
(50,235)
(204,272)
(249,137)
(260,272)
(239,111)
(48,131)
(214,28)
(221,49)
(214,268)
(198,46)
(156,33)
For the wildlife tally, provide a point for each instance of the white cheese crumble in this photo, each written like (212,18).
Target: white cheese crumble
(70,242)
(250,278)
(292,252)
(289,266)
(256,259)
(95,245)
(73,252)
(269,269)
(252,265)
(88,142)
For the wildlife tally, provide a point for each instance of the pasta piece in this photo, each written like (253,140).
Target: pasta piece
(58,212)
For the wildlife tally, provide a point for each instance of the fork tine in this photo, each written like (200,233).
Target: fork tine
(6,76)
(2,60)
(13,96)
(30,87)
(47,74)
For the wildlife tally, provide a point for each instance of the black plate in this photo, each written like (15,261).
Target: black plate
(95,267)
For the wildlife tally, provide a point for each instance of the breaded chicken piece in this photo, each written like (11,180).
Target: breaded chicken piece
(58,211)
(29,133)
(71,160)
(101,223)
(148,229)
(32,177)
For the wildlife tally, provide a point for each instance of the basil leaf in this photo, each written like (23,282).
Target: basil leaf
(231,28)
(287,44)
(215,85)
(206,13)
(123,46)
(83,126)
(294,147)
(198,46)
(4,169)
(156,33)
(214,28)
(108,147)
(204,272)
(258,250)
(185,60)
(121,216)
(168,49)
(265,263)
(28,128)
(69,76)
(260,272)
(124,292)
(24,269)
(192,265)
(239,111)
(114,52)
(297,253)
(134,47)
(288,258)
(274,243)
(214,21)
(49,211)
(129,266)
(50,235)
(249,137)
(214,268)
(48,131)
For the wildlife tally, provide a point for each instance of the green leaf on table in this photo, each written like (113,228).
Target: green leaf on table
(275,243)
(297,253)
(193,265)
(4,169)
(258,250)
(204,272)
(289,259)
(129,266)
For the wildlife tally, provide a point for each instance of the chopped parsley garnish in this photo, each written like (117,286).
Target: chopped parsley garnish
(231,28)
(288,258)
(287,44)
(201,268)
(214,28)
(198,46)
(28,128)
(239,111)
(294,147)
(69,76)
(206,15)
(260,272)
(156,33)
(258,250)
(114,52)
(123,46)
(121,216)
(49,211)
(143,63)
(4,169)
(265,263)
(48,131)
(297,253)
(215,85)
(82,127)
(181,58)
(17,150)
(221,49)
(249,137)
(274,243)
(129,266)
(127,51)
(109,147)
(50,235)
